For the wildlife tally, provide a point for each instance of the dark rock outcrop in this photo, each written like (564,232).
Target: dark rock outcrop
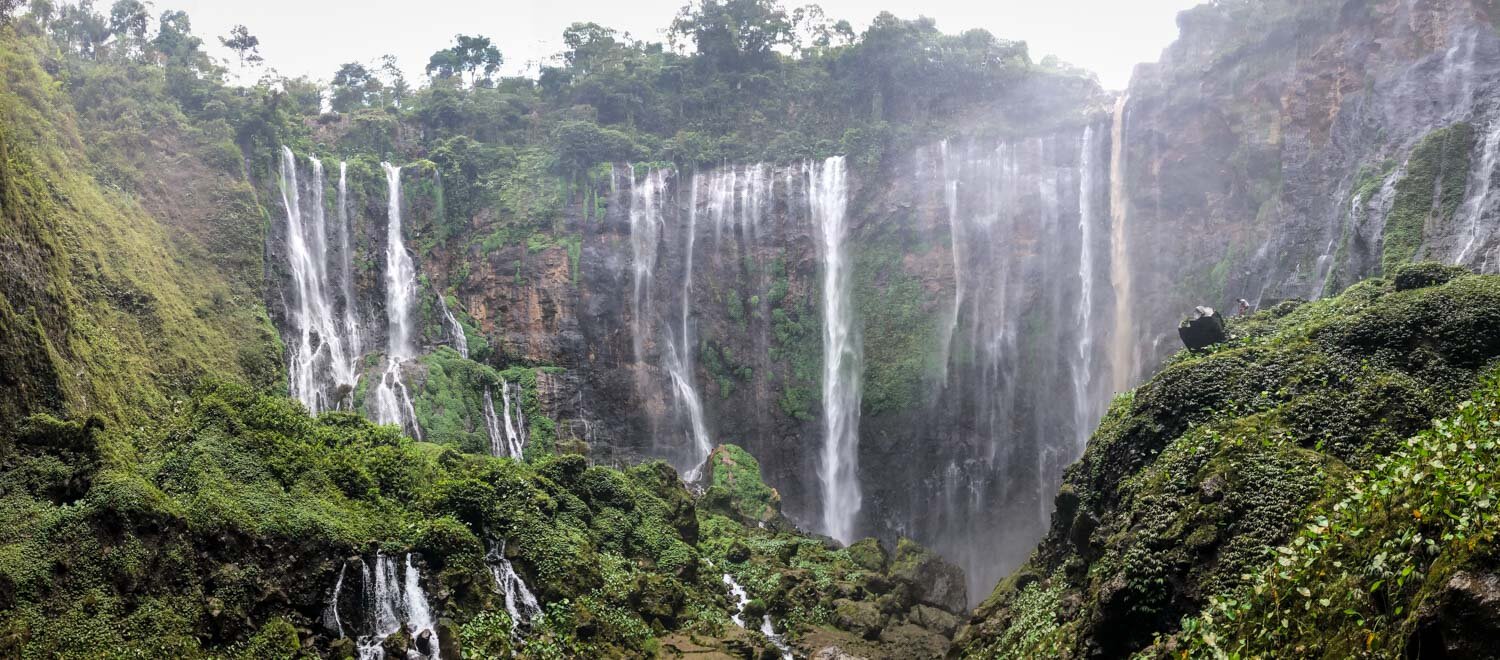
(1203,328)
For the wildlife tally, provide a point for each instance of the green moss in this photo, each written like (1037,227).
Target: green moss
(897,328)
(1170,503)
(1436,175)
(738,473)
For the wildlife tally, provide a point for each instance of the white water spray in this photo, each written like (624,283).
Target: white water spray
(839,472)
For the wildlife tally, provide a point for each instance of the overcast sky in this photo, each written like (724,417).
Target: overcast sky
(313,37)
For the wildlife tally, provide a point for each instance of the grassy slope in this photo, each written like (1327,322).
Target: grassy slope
(1192,477)
(128,278)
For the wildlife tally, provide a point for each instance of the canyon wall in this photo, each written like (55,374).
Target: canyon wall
(1002,287)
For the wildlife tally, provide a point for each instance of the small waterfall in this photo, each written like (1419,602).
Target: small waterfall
(331,619)
(520,603)
(391,602)
(1480,183)
(460,340)
(507,438)
(1122,350)
(839,471)
(955,244)
(645,231)
(346,274)
(319,364)
(392,401)
(680,357)
(741,599)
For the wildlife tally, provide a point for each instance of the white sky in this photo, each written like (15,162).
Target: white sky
(313,37)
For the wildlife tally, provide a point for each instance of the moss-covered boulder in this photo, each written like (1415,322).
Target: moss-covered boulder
(933,580)
(736,476)
(869,554)
(859,617)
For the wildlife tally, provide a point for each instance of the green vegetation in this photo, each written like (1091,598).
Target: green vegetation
(1437,172)
(1169,506)
(898,330)
(797,341)
(1369,572)
(737,474)
(108,307)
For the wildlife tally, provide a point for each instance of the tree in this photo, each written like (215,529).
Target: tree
(7,7)
(469,55)
(589,44)
(395,80)
(735,35)
(354,86)
(127,19)
(246,46)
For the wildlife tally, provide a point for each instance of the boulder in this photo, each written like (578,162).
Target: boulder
(869,554)
(835,653)
(858,617)
(933,580)
(933,619)
(1203,328)
(1461,621)
(449,645)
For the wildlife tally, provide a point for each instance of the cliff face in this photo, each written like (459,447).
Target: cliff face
(1003,287)
(1287,150)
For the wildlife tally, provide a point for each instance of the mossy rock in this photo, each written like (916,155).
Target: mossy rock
(859,617)
(1424,274)
(736,473)
(869,554)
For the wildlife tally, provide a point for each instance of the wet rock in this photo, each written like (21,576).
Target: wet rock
(342,648)
(933,580)
(933,619)
(1203,328)
(835,653)
(738,552)
(869,554)
(449,645)
(858,617)
(1462,621)
(423,642)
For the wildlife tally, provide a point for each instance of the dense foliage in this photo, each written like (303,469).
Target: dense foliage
(1169,511)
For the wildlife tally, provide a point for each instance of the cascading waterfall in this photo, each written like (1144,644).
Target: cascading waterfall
(741,599)
(1022,385)
(520,603)
(680,352)
(839,471)
(1122,350)
(346,274)
(1480,183)
(460,340)
(392,401)
(1084,414)
(391,601)
(331,619)
(320,363)
(507,433)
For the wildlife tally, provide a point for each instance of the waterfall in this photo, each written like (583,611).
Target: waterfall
(460,340)
(955,244)
(1083,410)
(520,603)
(346,275)
(507,438)
(645,231)
(392,401)
(839,471)
(319,364)
(1023,383)
(741,599)
(331,619)
(391,602)
(1480,182)
(680,357)
(1122,350)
